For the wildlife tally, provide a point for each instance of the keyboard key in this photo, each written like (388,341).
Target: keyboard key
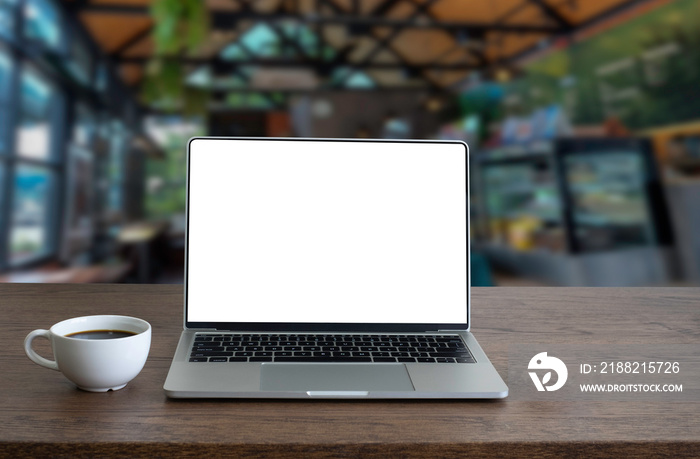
(260,359)
(211,354)
(208,349)
(329,347)
(449,354)
(324,359)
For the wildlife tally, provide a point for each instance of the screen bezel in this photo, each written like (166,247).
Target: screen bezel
(325,327)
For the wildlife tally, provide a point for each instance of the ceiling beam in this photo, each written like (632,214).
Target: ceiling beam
(218,93)
(553,14)
(224,65)
(131,41)
(226,19)
(613,12)
(385,43)
(383,8)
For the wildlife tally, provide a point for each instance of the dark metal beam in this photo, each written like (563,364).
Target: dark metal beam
(226,19)
(287,41)
(458,37)
(385,42)
(553,14)
(383,8)
(303,63)
(131,41)
(332,6)
(218,93)
(604,16)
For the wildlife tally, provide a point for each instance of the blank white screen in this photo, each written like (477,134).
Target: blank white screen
(326,232)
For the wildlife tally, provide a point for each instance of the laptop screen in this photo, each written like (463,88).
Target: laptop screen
(290,232)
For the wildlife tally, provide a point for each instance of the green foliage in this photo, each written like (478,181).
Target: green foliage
(169,198)
(180,27)
(643,72)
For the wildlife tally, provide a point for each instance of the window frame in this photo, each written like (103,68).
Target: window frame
(102,92)
(53,164)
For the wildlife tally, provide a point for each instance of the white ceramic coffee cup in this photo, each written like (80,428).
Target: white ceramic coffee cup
(95,365)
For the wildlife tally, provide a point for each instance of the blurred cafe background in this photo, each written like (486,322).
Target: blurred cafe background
(582,117)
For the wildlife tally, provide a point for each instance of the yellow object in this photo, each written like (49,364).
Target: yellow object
(521,232)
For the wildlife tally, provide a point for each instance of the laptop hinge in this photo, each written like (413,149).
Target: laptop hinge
(457,330)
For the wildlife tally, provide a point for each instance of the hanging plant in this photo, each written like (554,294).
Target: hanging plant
(180,27)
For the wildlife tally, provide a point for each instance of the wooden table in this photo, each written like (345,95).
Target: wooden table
(42,414)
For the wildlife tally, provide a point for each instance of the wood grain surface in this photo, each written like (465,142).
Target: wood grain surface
(43,414)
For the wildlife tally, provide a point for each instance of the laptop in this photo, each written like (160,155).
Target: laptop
(320,268)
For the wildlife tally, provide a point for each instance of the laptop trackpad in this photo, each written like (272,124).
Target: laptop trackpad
(330,377)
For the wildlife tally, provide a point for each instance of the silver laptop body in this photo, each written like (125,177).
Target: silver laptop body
(316,240)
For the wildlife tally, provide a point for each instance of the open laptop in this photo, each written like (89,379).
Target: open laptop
(328,269)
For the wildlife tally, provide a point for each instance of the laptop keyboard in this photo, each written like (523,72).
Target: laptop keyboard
(226,347)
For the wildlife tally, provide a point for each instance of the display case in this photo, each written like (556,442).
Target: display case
(574,211)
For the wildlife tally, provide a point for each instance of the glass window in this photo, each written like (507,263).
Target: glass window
(5,74)
(29,234)
(263,40)
(42,22)
(7,18)
(101,77)
(115,172)
(34,127)
(5,81)
(80,62)
(84,125)
(352,78)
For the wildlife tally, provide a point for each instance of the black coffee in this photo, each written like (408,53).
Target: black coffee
(101,334)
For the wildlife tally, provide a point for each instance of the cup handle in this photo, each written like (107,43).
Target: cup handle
(33,356)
